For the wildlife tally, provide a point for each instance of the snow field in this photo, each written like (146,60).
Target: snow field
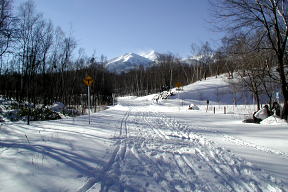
(54,156)
(157,153)
(140,145)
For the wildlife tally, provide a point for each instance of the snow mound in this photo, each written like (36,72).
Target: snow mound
(57,107)
(2,109)
(273,120)
(120,107)
(193,107)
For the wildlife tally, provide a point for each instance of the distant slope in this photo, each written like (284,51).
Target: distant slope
(216,90)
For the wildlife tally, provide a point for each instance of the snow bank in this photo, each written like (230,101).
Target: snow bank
(273,120)
(120,107)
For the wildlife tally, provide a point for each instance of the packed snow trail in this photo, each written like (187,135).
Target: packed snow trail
(156,153)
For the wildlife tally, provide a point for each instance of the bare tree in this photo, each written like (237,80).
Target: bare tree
(169,63)
(7,25)
(267,18)
(27,46)
(45,44)
(34,39)
(205,55)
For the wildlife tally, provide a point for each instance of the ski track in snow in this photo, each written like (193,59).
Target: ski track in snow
(119,152)
(157,153)
(241,142)
(257,147)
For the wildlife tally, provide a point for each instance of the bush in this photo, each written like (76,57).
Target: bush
(39,114)
(71,112)
(12,115)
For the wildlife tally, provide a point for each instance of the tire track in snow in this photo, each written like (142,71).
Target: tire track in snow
(227,175)
(175,133)
(177,159)
(118,153)
(145,157)
(252,145)
(113,180)
(238,141)
(161,154)
(146,118)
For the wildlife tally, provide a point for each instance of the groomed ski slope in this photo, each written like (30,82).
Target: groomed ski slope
(140,145)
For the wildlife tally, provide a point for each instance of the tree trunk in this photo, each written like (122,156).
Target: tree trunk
(284,87)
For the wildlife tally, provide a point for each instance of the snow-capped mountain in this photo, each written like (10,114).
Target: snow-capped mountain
(151,55)
(128,62)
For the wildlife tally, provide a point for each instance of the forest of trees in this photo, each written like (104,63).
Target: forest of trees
(41,64)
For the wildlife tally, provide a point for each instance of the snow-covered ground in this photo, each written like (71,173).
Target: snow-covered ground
(140,145)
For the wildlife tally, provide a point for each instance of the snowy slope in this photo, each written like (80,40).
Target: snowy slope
(140,145)
(151,55)
(217,90)
(128,62)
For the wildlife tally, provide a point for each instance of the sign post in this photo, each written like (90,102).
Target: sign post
(88,81)
(179,85)
(207,105)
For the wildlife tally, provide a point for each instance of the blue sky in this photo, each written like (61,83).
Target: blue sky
(115,27)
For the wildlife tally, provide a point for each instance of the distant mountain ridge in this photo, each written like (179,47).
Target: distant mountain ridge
(127,62)
(131,61)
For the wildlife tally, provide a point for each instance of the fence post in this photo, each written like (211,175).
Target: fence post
(224,110)
(214,110)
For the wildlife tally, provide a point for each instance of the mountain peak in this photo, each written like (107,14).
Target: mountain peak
(151,55)
(127,62)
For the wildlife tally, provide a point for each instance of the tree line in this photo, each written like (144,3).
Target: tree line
(38,62)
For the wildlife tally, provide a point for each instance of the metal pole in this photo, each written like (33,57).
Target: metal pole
(113,98)
(179,101)
(89,103)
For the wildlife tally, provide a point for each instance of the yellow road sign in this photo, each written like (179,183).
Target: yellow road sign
(88,80)
(179,84)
